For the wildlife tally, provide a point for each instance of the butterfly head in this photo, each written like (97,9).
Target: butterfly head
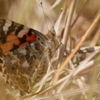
(52,41)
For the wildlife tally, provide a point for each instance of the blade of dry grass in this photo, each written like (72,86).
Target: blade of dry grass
(93,79)
(66,93)
(66,31)
(89,31)
(82,9)
(55,4)
(95,38)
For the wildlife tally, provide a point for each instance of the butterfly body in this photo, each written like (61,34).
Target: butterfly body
(26,54)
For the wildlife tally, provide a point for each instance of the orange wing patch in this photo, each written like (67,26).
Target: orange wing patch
(11,41)
(31,37)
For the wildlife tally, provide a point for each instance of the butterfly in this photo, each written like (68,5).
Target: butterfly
(25,54)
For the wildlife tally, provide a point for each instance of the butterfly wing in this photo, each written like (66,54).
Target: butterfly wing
(26,55)
(14,35)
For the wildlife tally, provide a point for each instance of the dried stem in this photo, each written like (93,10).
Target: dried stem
(66,31)
(89,31)
(82,9)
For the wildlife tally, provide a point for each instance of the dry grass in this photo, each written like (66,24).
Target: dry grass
(74,75)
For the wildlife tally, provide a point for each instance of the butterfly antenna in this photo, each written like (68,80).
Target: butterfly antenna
(44,14)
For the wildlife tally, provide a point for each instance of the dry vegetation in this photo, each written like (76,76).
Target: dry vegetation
(74,72)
